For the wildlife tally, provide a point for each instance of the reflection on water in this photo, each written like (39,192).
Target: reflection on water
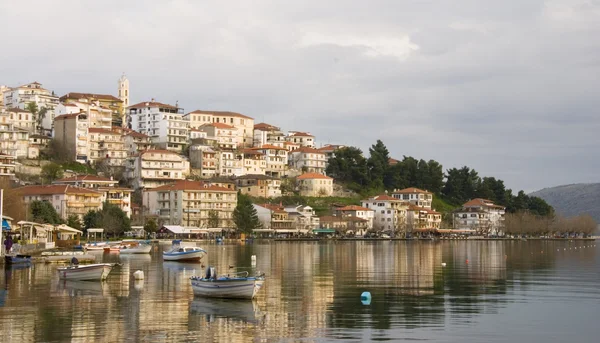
(543,290)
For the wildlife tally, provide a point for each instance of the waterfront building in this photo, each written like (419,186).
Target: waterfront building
(356,211)
(244,125)
(259,185)
(347,225)
(421,218)
(274,219)
(314,185)
(308,160)
(305,139)
(304,217)
(389,213)
(65,199)
(154,168)
(163,123)
(414,196)
(276,159)
(20,97)
(191,204)
(481,215)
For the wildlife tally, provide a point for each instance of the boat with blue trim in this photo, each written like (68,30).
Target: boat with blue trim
(235,286)
(182,253)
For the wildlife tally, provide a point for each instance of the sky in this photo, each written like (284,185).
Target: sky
(509,88)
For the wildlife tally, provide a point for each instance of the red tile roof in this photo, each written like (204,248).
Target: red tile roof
(392,161)
(478,202)
(222,113)
(410,191)
(185,185)
(69,115)
(105,131)
(133,133)
(301,134)
(341,219)
(158,151)
(265,127)
(385,197)
(220,126)
(77,96)
(153,104)
(16,110)
(85,178)
(308,150)
(269,146)
(55,189)
(313,176)
(353,208)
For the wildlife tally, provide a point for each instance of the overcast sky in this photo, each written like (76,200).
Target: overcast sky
(510,88)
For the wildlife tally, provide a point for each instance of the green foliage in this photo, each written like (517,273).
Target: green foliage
(213,218)
(74,221)
(51,172)
(78,168)
(32,108)
(348,166)
(321,205)
(245,216)
(151,225)
(379,164)
(43,212)
(40,117)
(111,218)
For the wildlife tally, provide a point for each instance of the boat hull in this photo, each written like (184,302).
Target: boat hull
(87,272)
(18,259)
(184,256)
(238,288)
(143,249)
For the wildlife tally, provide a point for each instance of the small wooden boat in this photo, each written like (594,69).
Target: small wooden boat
(236,286)
(95,246)
(181,253)
(98,271)
(135,247)
(112,248)
(17,259)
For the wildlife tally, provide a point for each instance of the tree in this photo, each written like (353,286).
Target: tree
(32,107)
(41,115)
(379,164)
(349,166)
(245,216)
(92,220)
(74,221)
(111,218)
(151,225)
(51,172)
(213,218)
(43,212)
(12,204)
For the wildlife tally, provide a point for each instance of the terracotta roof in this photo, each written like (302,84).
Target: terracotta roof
(385,197)
(313,176)
(329,147)
(291,143)
(185,185)
(392,161)
(101,130)
(74,95)
(55,189)
(220,126)
(353,208)
(265,127)
(255,177)
(301,134)
(222,113)
(478,202)
(16,110)
(341,219)
(85,178)
(152,104)
(410,190)
(308,150)
(273,207)
(69,115)
(133,133)
(269,146)
(251,152)
(158,151)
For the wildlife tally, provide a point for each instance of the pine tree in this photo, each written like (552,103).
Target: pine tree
(245,216)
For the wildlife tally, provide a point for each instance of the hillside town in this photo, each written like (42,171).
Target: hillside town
(185,168)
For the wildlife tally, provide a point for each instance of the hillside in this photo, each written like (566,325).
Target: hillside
(572,200)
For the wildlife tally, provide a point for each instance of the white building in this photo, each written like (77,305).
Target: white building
(107,145)
(276,159)
(20,97)
(481,215)
(162,122)
(268,134)
(19,118)
(253,162)
(65,199)
(365,213)
(123,86)
(314,185)
(135,142)
(304,139)
(231,163)
(389,213)
(7,166)
(225,135)
(243,124)
(14,141)
(154,168)
(304,216)
(414,196)
(421,218)
(308,160)
(103,110)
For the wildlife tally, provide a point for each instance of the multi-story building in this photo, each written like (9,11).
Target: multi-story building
(104,110)
(162,122)
(135,142)
(305,139)
(254,162)
(349,225)
(289,146)
(65,199)
(224,134)
(267,134)
(108,188)
(308,160)
(276,160)
(259,185)
(154,168)
(7,166)
(192,204)
(3,89)
(19,118)
(389,213)
(231,163)
(37,144)
(244,125)
(71,133)
(422,218)
(196,133)
(14,141)
(414,196)
(314,185)
(204,161)
(20,97)
(107,145)
(329,151)
(481,215)
(304,217)
(356,211)
(274,219)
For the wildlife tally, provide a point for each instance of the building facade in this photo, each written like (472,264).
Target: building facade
(308,160)
(314,185)
(414,196)
(163,123)
(304,139)
(389,213)
(243,124)
(481,215)
(275,160)
(154,168)
(20,97)
(66,200)
(259,185)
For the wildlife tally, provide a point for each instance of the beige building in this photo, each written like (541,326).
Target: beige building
(154,168)
(14,141)
(231,163)
(225,135)
(390,214)
(275,158)
(3,89)
(259,185)
(244,125)
(65,199)
(254,162)
(189,203)
(356,211)
(103,110)
(308,160)
(135,142)
(20,97)
(123,87)
(7,166)
(423,218)
(345,224)
(204,160)
(164,124)
(71,133)
(268,134)
(107,145)
(304,139)
(314,185)
(414,196)
(19,118)
(110,190)
(37,144)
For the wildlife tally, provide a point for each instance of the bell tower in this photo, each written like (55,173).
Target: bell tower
(124,96)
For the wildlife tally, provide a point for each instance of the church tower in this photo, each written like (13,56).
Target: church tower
(124,96)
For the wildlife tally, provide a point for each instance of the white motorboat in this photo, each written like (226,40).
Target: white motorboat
(236,286)
(95,246)
(182,253)
(135,249)
(98,271)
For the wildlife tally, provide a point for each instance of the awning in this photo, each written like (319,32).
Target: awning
(95,230)
(287,231)
(262,230)
(324,230)
(65,228)
(5,226)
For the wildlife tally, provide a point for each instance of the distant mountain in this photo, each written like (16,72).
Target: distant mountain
(572,200)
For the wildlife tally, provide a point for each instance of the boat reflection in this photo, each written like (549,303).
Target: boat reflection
(77,288)
(239,310)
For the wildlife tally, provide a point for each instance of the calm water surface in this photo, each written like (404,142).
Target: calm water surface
(489,291)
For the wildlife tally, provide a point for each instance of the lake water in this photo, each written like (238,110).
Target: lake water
(489,291)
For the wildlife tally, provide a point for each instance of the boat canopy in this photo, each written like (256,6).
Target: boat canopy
(324,230)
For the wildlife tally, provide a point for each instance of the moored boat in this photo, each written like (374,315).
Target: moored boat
(236,286)
(17,259)
(98,271)
(183,253)
(135,247)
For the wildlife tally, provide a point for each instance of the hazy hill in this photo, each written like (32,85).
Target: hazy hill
(572,200)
